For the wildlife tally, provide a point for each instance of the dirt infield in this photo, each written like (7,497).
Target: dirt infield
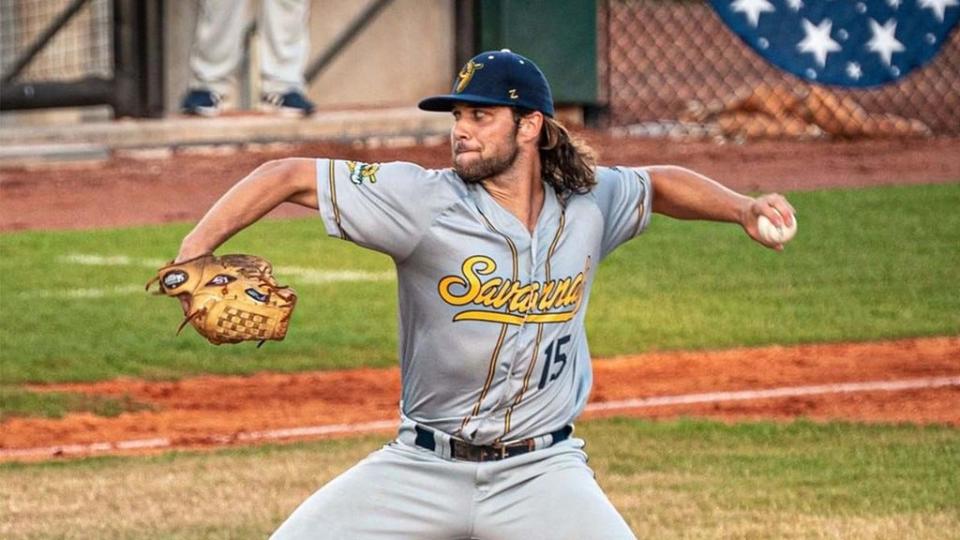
(209,411)
(181,185)
(213,411)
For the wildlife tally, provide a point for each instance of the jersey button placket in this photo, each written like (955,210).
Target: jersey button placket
(512,360)
(531,271)
(526,333)
(526,273)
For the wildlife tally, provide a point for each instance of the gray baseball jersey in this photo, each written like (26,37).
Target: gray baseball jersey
(491,316)
(492,349)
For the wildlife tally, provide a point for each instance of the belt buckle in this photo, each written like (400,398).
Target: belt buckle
(528,445)
(494,452)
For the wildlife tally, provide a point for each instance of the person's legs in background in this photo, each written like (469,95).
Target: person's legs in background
(216,52)
(284,49)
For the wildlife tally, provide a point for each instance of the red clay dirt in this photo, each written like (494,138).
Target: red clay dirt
(126,191)
(208,410)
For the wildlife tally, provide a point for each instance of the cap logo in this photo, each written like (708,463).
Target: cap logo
(463,79)
(513,93)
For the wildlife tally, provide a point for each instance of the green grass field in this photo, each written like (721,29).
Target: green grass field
(867,264)
(681,479)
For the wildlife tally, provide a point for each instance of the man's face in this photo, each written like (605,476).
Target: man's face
(483,141)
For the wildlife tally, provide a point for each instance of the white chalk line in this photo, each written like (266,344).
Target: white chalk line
(103,292)
(164,442)
(790,391)
(383,425)
(315,276)
(89,259)
(301,276)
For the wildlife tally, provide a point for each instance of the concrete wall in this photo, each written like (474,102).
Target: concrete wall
(405,53)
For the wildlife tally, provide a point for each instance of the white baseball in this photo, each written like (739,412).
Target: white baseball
(772,234)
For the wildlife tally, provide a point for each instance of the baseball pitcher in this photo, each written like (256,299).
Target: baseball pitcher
(495,260)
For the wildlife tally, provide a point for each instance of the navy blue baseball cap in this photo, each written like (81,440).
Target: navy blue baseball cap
(497,78)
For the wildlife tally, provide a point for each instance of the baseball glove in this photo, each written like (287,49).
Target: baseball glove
(229,299)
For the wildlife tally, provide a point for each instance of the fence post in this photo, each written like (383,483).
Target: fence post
(138,58)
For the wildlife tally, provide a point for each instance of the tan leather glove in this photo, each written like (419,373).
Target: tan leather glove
(229,299)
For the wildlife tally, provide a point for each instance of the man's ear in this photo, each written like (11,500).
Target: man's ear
(529,127)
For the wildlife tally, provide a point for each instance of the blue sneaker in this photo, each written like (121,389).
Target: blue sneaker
(292,103)
(200,102)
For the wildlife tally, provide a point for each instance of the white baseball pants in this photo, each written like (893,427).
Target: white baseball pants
(284,43)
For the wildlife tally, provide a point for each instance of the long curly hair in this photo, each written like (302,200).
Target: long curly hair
(567,163)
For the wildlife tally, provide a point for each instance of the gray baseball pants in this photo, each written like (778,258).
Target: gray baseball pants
(403,491)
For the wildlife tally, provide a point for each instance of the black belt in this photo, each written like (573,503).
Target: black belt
(460,449)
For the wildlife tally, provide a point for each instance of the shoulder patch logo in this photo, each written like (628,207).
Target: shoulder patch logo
(463,79)
(363,171)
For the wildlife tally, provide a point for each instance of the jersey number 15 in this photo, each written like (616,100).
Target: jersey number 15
(554,356)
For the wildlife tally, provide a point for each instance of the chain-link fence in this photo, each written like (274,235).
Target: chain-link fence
(82,48)
(672,68)
(82,53)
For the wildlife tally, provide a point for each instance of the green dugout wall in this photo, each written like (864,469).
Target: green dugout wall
(559,35)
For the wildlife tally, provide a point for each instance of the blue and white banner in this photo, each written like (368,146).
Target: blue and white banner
(843,42)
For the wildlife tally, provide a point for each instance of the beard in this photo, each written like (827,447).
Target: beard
(479,170)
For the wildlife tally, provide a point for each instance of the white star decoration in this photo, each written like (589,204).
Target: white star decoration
(853,70)
(753,8)
(883,41)
(828,40)
(817,40)
(938,6)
